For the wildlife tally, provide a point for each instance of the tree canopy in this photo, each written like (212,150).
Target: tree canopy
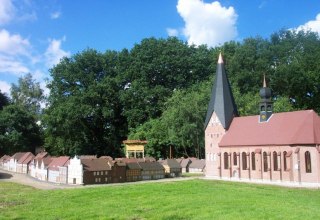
(20,119)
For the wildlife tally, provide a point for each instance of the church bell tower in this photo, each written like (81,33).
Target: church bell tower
(266,104)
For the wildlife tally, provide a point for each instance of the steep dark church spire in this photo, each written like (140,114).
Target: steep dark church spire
(266,104)
(221,101)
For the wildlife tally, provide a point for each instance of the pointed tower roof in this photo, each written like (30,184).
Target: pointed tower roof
(221,101)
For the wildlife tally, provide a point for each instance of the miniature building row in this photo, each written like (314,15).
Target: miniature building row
(192,165)
(89,169)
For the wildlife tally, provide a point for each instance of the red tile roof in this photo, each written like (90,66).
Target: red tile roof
(185,162)
(4,158)
(41,155)
(198,164)
(172,163)
(287,128)
(148,166)
(26,158)
(95,164)
(46,161)
(18,155)
(58,162)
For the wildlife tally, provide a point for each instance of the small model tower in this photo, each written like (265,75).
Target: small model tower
(266,105)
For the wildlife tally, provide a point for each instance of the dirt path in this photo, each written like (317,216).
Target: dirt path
(6,176)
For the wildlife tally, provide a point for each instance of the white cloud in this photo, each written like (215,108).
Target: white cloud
(55,15)
(5,87)
(313,25)
(13,44)
(12,65)
(14,50)
(172,32)
(7,11)
(207,23)
(54,52)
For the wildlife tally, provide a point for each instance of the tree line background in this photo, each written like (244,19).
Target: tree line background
(159,90)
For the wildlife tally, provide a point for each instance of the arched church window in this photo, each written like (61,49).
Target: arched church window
(226,160)
(275,160)
(263,108)
(265,162)
(285,160)
(307,158)
(244,161)
(253,160)
(235,159)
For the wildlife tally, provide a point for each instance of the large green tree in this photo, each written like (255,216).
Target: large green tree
(180,127)
(158,67)
(84,113)
(28,93)
(18,130)
(4,100)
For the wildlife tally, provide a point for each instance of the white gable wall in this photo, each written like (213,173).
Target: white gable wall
(75,171)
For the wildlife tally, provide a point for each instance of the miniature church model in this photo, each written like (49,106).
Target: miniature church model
(269,147)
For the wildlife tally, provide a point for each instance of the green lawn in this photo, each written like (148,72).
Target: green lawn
(191,199)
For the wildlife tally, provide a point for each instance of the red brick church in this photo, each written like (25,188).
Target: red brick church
(270,147)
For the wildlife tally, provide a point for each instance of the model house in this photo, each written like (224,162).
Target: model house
(58,170)
(197,166)
(133,170)
(24,162)
(14,161)
(75,171)
(151,170)
(172,167)
(33,166)
(96,171)
(269,147)
(4,162)
(42,170)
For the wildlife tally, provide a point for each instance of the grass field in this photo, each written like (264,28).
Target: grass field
(191,199)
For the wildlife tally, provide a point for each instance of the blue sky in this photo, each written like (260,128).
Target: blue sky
(35,34)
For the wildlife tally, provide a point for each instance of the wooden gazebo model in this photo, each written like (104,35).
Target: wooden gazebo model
(134,148)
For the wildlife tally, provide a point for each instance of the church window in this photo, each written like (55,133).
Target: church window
(244,161)
(265,162)
(275,161)
(253,160)
(285,160)
(226,160)
(307,158)
(235,159)
(263,108)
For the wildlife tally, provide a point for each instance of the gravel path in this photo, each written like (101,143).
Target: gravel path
(6,176)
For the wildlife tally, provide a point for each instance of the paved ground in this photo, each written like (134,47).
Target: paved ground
(6,176)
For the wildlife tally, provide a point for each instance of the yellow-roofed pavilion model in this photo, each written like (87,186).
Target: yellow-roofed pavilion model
(134,148)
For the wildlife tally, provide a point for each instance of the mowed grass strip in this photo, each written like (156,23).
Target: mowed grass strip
(192,199)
